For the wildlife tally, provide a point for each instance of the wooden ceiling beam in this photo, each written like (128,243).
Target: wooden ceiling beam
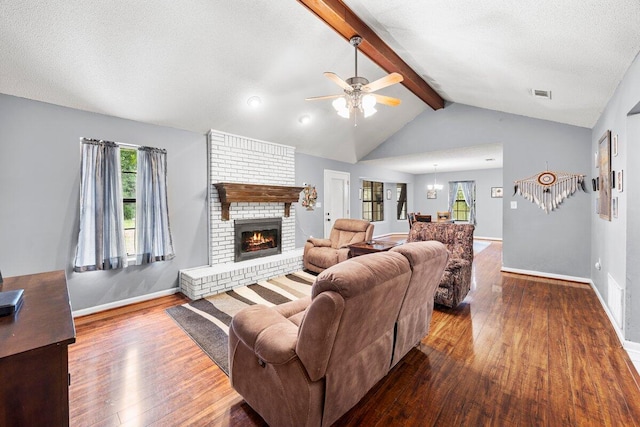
(342,19)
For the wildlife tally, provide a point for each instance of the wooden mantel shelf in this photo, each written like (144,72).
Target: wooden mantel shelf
(257,193)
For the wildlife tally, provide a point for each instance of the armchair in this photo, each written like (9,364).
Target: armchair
(320,254)
(458,238)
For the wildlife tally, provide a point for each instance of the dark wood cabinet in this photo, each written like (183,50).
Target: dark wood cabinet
(34,372)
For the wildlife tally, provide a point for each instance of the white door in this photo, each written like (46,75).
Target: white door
(336,198)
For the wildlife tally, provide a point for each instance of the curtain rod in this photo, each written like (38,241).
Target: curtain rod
(123,144)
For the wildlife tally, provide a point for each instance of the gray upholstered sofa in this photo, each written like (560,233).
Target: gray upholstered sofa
(307,362)
(456,280)
(320,254)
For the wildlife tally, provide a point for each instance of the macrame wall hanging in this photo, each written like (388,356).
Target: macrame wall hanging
(548,189)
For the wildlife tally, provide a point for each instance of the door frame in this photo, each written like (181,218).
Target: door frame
(346,178)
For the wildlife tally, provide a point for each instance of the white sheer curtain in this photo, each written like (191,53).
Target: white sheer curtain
(469,191)
(453,191)
(101,237)
(153,233)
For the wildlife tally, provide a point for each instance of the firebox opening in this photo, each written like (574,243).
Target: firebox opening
(256,238)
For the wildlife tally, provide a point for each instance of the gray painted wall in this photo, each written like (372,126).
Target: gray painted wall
(40,187)
(488,209)
(556,243)
(617,243)
(310,170)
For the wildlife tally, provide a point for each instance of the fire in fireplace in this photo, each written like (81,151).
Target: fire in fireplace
(256,238)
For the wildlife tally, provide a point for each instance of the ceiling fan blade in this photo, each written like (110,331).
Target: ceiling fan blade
(316,98)
(337,80)
(387,80)
(386,100)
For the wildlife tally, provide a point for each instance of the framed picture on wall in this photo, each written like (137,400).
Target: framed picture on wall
(496,192)
(620,178)
(604,193)
(614,144)
(432,194)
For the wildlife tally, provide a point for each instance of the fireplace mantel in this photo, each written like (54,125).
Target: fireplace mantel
(256,193)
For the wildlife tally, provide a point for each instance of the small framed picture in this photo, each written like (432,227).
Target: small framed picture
(620,178)
(593,184)
(613,179)
(432,194)
(597,159)
(614,207)
(496,192)
(614,144)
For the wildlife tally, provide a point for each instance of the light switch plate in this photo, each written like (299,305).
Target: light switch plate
(514,205)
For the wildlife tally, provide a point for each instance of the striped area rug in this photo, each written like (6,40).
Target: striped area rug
(207,320)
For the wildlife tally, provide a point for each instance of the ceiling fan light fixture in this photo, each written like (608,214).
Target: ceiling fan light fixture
(341,107)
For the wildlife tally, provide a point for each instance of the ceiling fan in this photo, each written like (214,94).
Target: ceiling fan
(358,92)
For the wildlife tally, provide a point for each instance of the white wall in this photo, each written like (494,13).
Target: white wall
(617,242)
(556,243)
(488,209)
(40,190)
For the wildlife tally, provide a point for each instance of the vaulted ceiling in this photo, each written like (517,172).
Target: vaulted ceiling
(194,64)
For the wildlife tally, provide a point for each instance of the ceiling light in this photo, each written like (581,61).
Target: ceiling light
(435,185)
(304,119)
(254,102)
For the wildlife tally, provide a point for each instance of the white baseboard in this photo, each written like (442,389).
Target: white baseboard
(546,275)
(633,350)
(494,239)
(122,303)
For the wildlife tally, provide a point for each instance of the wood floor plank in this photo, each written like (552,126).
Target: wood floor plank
(519,350)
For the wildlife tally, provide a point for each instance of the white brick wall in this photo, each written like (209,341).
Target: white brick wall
(243,160)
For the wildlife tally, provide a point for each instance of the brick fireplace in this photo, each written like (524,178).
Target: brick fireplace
(267,169)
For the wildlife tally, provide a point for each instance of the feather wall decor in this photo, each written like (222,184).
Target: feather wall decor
(549,189)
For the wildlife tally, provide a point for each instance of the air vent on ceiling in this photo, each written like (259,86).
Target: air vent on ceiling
(538,93)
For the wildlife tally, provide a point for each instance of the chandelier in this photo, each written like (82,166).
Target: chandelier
(435,185)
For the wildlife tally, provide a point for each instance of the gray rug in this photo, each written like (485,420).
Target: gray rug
(207,320)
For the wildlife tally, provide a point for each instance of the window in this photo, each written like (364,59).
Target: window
(372,201)
(462,211)
(128,166)
(401,198)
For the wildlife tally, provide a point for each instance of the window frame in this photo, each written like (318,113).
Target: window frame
(373,201)
(461,200)
(129,200)
(401,210)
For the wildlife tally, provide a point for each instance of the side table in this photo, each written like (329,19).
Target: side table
(370,247)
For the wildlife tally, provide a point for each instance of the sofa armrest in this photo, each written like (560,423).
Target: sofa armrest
(268,333)
(319,242)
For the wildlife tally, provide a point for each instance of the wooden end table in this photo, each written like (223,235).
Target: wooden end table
(370,247)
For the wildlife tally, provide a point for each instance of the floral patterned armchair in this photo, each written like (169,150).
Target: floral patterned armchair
(456,279)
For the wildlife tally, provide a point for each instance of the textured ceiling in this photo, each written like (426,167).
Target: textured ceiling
(193,64)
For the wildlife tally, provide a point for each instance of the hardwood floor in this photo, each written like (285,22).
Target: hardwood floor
(519,351)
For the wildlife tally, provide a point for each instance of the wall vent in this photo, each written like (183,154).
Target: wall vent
(615,300)
(539,93)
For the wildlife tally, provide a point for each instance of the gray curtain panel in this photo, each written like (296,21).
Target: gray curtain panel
(468,190)
(153,233)
(101,237)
